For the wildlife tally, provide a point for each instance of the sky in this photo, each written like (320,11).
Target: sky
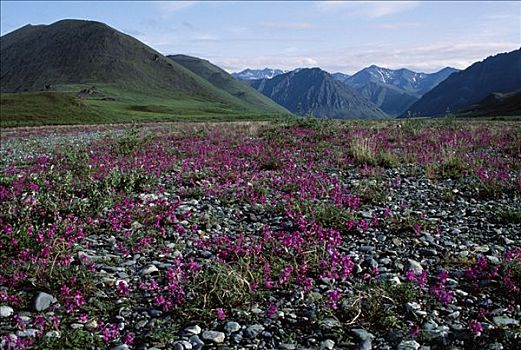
(336,36)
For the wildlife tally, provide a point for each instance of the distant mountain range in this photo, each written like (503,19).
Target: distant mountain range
(253,74)
(406,80)
(393,91)
(314,91)
(496,74)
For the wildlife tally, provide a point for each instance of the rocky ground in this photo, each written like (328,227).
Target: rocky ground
(304,235)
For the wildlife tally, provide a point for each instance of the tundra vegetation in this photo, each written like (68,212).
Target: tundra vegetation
(284,234)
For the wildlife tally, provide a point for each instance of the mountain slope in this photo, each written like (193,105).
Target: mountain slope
(395,90)
(390,99)
(313,90)
(222,80)
(253,74)
(341,77)
(496,104)
(500,73)
(125,74)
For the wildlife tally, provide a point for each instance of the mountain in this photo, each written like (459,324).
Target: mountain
(312,90)
(96,61)
(224,81)
(496,74)
(395,90)
(405,79)
(389,98)
(253,74)
(341,77)
(496,104)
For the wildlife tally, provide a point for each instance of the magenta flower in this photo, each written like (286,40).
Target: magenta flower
(271,311)
(333,296)
(220,314)
(414,330)
(475,327)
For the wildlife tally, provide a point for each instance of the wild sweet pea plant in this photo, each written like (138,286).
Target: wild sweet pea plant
(299,226)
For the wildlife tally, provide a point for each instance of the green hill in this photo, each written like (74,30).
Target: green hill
(496,104)
(117,77)
(222,80)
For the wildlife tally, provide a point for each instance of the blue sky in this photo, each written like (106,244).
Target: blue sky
(336,36)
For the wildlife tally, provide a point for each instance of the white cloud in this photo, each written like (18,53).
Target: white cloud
(427,59)
(286,62)
(370,9)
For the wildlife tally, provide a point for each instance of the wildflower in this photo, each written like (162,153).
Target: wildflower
(220,314)
(79,300)
(271,311)
(446,297)
(414,330)
(129,339)
(475,327)
(39,322)
(285,275)
(122,288)
(333,298)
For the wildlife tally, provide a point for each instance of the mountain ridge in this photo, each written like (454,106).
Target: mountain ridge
(395,90)
(222,80)
(312,90)
(500,73)
(254,74)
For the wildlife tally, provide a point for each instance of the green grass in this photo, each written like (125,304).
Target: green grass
(113,105)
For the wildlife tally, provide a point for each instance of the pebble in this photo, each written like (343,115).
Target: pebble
(148,270)
(92,326)
(42,301)
(6,311)
(253,331)
(29,332)
(196,342)
(494,260)
(183,345)
(193,330)
(408,345)
(53,334)
(505,321)
(327,344)
(214,336)
(329,323)
(365,337)
(232,327)
(415,266)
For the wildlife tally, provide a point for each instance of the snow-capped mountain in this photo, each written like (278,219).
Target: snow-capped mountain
(394,91)
(405,79)
(253,74)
